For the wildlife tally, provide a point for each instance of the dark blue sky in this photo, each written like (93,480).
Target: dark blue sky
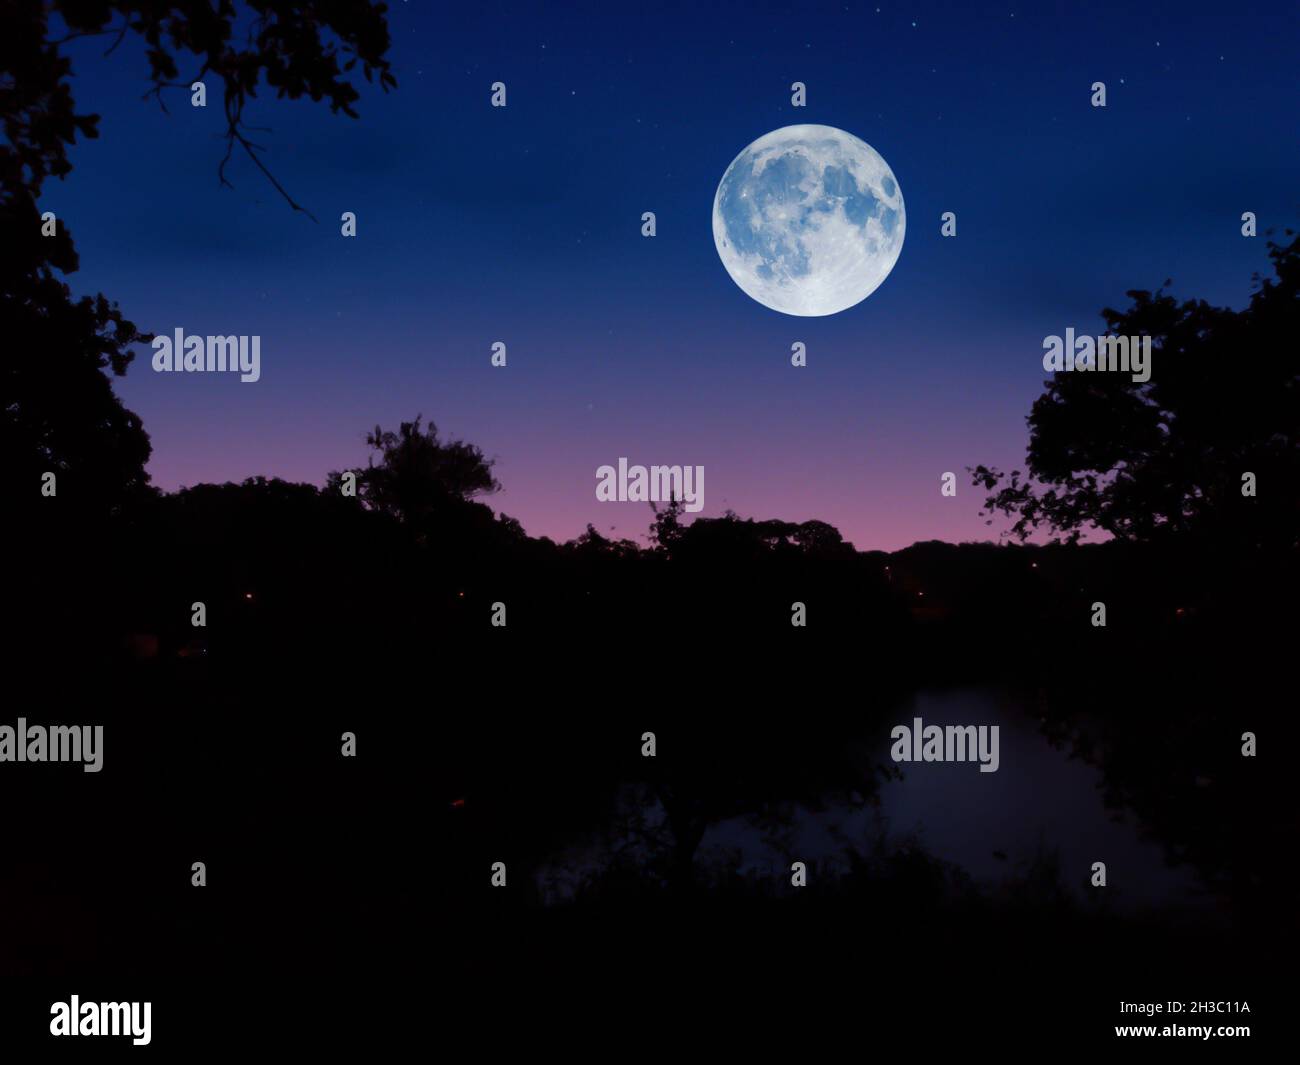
(523,225)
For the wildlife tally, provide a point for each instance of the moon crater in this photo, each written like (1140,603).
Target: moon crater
(808,220)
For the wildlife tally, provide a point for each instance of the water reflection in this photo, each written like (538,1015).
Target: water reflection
(1043,806)
(1040,799)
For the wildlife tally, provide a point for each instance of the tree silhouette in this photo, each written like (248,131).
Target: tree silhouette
(1143,461)
(419,477)
(58,412)
(296,47)
(667,528)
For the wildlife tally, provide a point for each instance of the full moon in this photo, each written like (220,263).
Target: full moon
(808,220)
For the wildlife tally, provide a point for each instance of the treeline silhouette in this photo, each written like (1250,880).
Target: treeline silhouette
(1189,479)
(282,566)
(371,613)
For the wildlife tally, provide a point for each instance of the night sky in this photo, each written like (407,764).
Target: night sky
(523,225)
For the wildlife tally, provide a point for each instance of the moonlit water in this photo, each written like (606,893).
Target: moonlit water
(1040,803)
(809,220)
(1042,810)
